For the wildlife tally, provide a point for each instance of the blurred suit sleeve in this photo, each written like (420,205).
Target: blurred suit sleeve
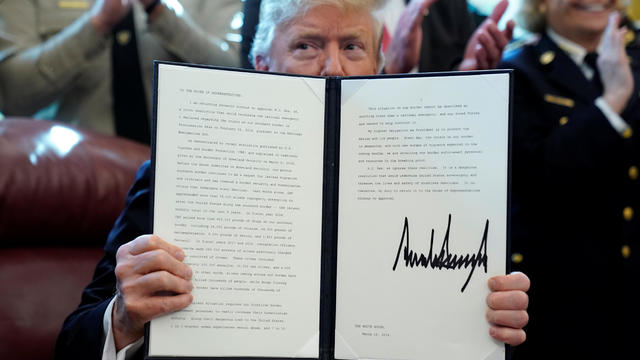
(49,53)
(193,34)
(36,65)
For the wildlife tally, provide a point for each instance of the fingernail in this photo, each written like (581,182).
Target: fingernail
(180,255)
(492,284)
(189,273)
(492,331)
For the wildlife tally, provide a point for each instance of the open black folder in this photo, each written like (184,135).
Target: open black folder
(331,218)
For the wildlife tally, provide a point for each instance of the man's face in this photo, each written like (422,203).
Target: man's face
(324,41)
(576,19)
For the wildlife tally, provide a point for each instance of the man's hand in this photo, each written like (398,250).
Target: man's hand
(484,49)
(507,311)
(151,281)
(404,51)
(107,13)
(615,71)
(156,11)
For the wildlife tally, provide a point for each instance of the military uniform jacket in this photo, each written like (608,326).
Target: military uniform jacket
(576,206)
(49,51)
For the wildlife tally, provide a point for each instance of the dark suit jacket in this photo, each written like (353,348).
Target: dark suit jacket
(82,335)
(573,177)
(445,32)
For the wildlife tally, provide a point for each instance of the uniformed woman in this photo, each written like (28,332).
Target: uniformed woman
(575,179)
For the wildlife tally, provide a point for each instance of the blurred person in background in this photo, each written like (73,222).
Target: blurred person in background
(93,59)
(425,35)
(576,194)
(433,35)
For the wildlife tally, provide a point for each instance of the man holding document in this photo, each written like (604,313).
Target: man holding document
(148,275)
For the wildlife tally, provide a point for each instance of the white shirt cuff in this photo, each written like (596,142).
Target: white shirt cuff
(614,119)
(109,349)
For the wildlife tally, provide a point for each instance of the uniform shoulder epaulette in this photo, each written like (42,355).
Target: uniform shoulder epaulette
(529,39)
(632,38)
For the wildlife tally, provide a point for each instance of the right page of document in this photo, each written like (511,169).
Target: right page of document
(422,215)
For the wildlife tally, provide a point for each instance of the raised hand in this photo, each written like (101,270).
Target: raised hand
(404,51)
(484,48)
(613,64)
(107,13)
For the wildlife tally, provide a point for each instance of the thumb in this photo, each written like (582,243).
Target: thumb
(508,31)
(423,7)
(427,4)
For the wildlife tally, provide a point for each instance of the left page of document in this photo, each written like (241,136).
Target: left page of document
(238,186)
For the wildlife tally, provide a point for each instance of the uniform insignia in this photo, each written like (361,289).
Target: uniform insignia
(626,251)
(123,37)
(547,57)
(73,4)
(517,258)
(563,121)
(558,100)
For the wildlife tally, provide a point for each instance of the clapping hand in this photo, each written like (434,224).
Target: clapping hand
(484,49)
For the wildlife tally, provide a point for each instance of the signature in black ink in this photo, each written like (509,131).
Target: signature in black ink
(444,259)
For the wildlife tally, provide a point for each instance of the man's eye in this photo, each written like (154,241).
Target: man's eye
(303,50)
(353,47)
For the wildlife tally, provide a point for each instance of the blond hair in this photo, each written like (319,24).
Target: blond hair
(532,14)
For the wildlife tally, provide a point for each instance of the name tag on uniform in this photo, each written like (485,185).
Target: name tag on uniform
(73,4)
(559,100)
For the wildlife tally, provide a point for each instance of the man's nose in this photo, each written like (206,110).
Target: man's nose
(332,64)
